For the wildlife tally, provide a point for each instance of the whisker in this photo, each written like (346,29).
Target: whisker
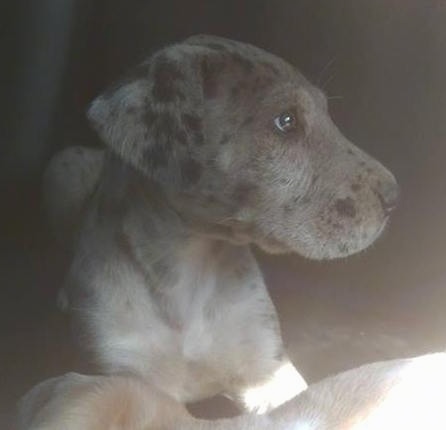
(324,69)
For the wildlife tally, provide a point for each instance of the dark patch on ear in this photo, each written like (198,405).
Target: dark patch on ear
(350,152)
(224,139)
(155,155)
(356,187)
(167,77)
(149,117)
(243,192)
(210,69)
(194,127)
(346,207)
(191,171)
(181,137)
(192,122)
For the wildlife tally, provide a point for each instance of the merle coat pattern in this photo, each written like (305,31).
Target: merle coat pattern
(211,145)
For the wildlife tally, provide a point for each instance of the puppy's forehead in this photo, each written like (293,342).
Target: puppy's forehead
(250,55)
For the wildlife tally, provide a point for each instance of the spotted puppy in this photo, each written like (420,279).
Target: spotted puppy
(211,145)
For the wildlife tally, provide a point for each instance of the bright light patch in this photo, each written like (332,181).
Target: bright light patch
(285,384)
(417,402)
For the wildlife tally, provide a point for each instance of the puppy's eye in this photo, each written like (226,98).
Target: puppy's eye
(286,122)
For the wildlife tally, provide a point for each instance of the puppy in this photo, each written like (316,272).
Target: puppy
(211,145)
(401,394)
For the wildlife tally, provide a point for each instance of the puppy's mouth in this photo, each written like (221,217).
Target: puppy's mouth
(315,244)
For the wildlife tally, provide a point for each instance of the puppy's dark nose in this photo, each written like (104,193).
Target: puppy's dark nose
(388,194)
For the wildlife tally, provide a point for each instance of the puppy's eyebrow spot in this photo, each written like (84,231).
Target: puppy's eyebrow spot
(167,77)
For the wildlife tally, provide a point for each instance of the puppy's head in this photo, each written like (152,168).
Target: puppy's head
(243,148)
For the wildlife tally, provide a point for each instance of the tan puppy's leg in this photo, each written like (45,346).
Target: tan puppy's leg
(81,402)
(392,395)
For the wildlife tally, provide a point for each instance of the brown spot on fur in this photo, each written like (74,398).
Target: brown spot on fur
(192,122)
(181,137)
(289,207)
(167,76)
(262,82)
(191,171)
(356,187)
(243,192)
(271,67)
(237,90)
(345,207)
(246,65)
(155,156)
(210,69)
(224,139)
(343,248)
(131,110)
(149,117)
(247,121)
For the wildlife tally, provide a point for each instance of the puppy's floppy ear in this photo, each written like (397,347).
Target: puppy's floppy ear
(154,118)
(118,117)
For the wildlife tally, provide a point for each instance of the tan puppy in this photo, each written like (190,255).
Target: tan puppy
(394,395)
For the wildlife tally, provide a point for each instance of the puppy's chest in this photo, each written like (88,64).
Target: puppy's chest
(205,300)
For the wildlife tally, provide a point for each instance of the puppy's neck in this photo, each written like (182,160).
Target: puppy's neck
(157,240)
